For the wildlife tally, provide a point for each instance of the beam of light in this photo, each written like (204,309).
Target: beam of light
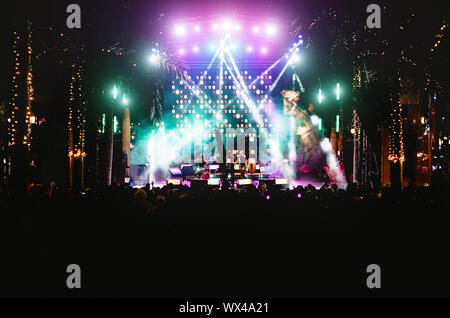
(320,96)
(247,98)
(333,163)
(302,89)
(338,91)
(292,148)
(196,88)
(115,92)
(245,95)
(279,77)
(337,123)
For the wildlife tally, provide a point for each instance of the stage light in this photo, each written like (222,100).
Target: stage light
(214,182)
(326,145)
(337,123)
(197,28)
(249,49)
(295,58)
(233,46)
(115,91)
(264,50)
(320,96)
(237,27)
(180,30)
(124,100)
(282,181)
(153,58)
(314,120)
(338,91)
(215,26)
(212,47)
(271,30)
(195,49)
(226,26)
(255,29)
(181,51)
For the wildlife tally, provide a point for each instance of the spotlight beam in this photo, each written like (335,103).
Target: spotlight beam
(279,77)
(247,99)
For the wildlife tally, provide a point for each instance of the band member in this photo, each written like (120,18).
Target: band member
(205,174)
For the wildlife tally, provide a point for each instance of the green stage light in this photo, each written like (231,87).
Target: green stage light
(320,96)
(125,100)
(115,92)
(116,124)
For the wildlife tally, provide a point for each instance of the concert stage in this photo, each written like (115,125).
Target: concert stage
(159,183)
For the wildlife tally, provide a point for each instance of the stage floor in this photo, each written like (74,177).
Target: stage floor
(292,183)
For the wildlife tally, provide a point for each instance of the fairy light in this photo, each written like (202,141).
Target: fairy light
(76,123)
(29,89)
(396,145)
(21,119)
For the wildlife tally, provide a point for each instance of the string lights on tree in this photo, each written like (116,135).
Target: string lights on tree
(29,90)
(76,123)
(396,146)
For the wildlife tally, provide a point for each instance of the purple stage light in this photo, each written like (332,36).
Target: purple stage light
(249,49)
(237,27)
(181,51)
(255,29)
(226,26)
(268,197)
(195,49)
(263,50)
(271,30)
(180,30)
(299,195)
(197,28)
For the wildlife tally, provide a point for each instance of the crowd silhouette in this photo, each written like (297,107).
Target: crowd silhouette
(181,241)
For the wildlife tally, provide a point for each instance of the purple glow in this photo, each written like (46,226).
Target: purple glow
(181,51)
(264,50)
(249,49)
(180,30)
(256,29)
(226,26)
(195,49)
(268,197)
(299,195)
(197,28)
(271,30)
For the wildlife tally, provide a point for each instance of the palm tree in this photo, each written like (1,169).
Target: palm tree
(410,100)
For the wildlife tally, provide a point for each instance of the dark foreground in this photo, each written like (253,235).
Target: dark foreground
(209,243)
